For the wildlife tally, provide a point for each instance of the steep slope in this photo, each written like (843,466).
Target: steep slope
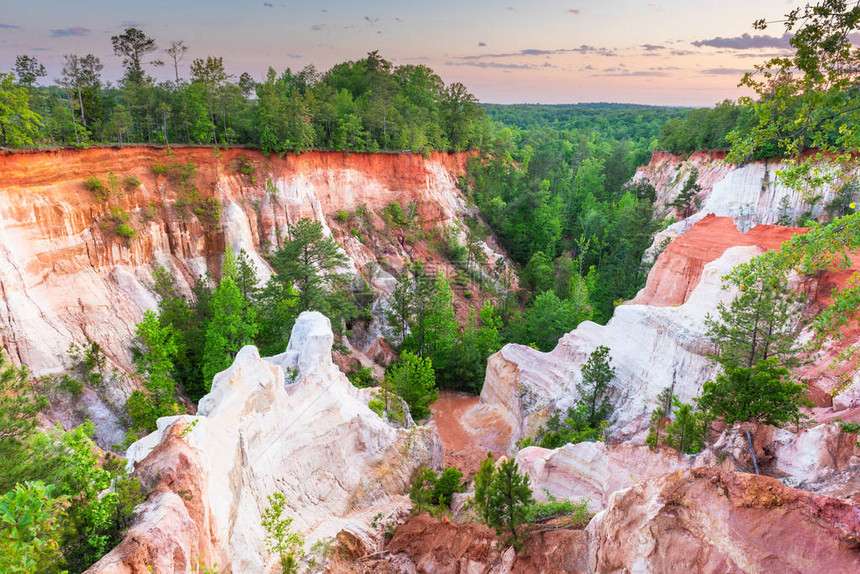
(67,275)
(700,521)
(291,424)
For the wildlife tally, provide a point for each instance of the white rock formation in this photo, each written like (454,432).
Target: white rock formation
(651,348)
(594,470)
(291,424)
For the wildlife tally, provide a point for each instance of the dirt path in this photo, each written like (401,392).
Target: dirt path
(465,446)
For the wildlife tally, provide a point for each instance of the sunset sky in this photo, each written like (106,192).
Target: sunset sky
(671,52)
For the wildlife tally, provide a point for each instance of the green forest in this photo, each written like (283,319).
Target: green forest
(363,105)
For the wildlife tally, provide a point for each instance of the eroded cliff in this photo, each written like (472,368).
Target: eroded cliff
(291,424)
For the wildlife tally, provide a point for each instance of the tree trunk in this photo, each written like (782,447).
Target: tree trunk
(81,102)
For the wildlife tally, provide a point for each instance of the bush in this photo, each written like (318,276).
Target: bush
(342,216)
(362,378)
(413,379)
(98,187)
(393,214)
(435,490)
(552,507)
(130,183)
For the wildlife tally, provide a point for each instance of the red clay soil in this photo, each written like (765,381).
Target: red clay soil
(465,447)
(679,267)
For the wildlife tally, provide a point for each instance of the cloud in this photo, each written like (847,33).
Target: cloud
(268,5)
(574,10)
(494,65)
(317,27)
(583,49)
(481,44)
(9,27)
(633,74)
(370,20)
(724,72)
(73,31)
(652,47)
(746,42)
(296,56)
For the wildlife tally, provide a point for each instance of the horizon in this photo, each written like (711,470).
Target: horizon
(674,53)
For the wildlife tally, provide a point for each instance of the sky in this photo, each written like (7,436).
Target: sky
(663,52)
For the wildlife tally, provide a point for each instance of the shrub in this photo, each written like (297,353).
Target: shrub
(125,231)
(552,507)
(98,187)
(362,378)
(342,216)
(431,489)
(280,538)
(130,183)
(413,379)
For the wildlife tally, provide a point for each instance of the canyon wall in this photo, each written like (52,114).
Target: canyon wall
(67,276)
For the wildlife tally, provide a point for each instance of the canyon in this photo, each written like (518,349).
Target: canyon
(293,423)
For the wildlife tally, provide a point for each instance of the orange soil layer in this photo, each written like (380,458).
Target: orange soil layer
(465,446)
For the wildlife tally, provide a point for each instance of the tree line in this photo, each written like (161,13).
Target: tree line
(363,105)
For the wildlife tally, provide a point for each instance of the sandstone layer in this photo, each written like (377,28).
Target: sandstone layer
(699,521)
(292,424)
(67,277)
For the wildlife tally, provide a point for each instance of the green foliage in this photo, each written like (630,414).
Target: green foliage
(232,326)
(280,539)
(548,319)
(435,490)
(188,199)
(508,499)
(413,379)
(97,498)
(19,405)
(309,262)
(483,479)
(595,391)
(763,392)
(687,196)
(393,214)
(849,427)
(98,187)
(130,183)
(362,378)
(154,361)
(29,516)
(573,428)
(19,125)
(377,406)
(588,419)
(762,321)
(686,433)
(577,513)
(807,99)
(703,129)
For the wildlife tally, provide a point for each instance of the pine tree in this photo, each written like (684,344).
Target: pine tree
(762,321)
(483,479)
(155,363)
(597,373)
(508,499)
(412,378)
(763,392)
(232,326)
